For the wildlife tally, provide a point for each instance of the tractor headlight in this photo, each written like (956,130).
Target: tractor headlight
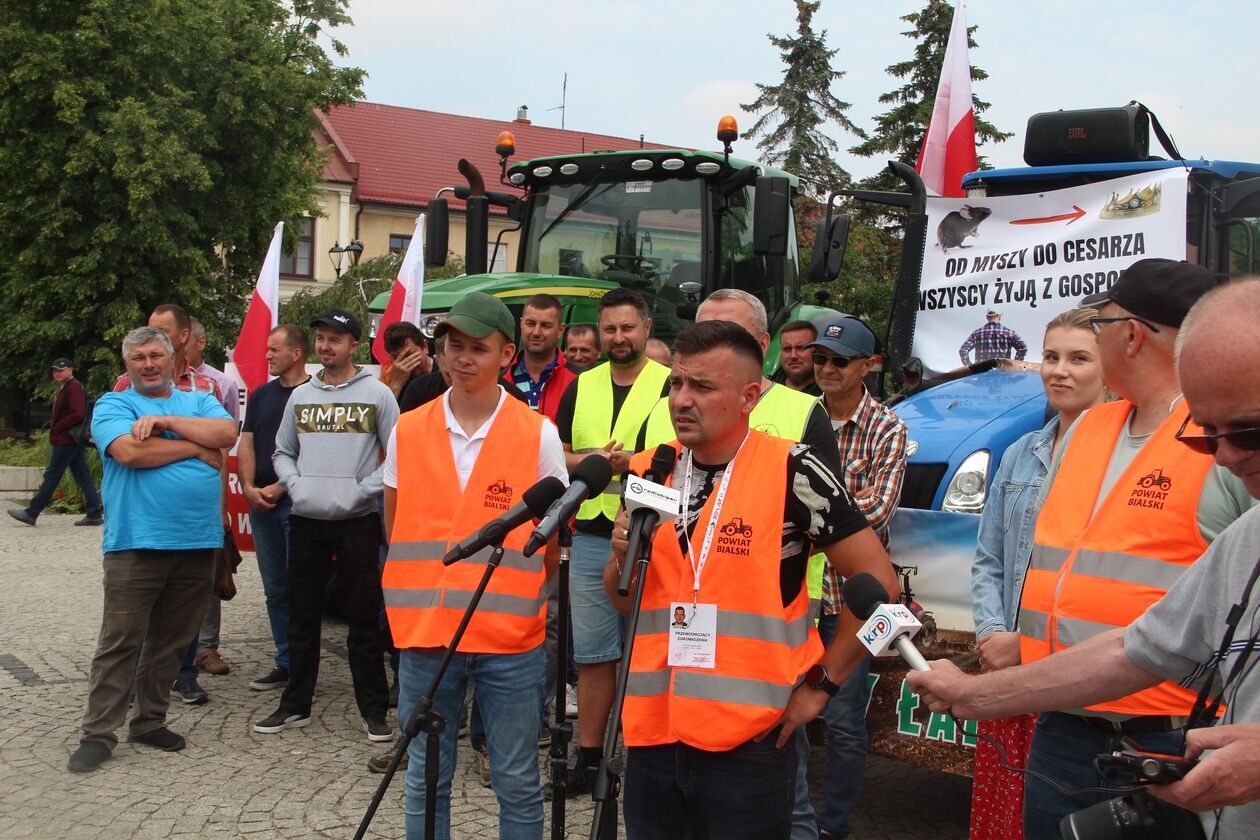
(969,487)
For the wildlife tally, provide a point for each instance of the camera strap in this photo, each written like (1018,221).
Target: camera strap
(1205,710)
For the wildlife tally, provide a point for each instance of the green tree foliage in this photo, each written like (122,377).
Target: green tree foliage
(150,146)
(900,130)
(792,113)
(354,291)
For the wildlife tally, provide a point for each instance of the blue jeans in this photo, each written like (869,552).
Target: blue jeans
(1063,748)
(66,455)
(509,692)
(845,715)
(598,629)
(271,543)
(675,791)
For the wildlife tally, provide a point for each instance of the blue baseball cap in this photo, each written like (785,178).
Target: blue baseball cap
(846,337)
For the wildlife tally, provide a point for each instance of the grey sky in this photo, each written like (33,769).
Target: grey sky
(669,70)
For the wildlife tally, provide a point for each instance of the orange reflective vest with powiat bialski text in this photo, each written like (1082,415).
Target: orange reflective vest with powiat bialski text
(1095,571)
(425,599)
(763,647)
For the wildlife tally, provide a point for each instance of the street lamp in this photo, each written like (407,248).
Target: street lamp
(337,252)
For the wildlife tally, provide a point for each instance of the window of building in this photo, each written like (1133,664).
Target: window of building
(398,242)
(300,263)
(496,260)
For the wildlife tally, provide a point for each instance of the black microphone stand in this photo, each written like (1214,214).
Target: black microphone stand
(561,729)
(608,777)
(426,719)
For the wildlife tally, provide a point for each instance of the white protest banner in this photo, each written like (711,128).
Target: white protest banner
(1031,257)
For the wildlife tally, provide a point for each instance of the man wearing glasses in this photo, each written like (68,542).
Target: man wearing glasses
(1126,510)
(872,444)
(1185,636)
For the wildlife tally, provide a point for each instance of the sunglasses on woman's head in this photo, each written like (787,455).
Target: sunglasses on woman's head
(1247,440)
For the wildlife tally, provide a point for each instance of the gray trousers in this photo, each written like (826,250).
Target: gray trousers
(154,599)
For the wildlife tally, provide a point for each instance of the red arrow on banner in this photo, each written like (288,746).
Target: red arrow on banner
(1068,217)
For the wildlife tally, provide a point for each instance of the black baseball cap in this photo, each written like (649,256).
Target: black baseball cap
(61,363)
(846,337)
(1158,290)
(339,320)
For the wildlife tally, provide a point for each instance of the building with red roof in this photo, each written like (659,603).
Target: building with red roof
(385,164)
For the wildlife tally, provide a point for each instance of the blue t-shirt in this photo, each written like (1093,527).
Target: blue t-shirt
(175,506)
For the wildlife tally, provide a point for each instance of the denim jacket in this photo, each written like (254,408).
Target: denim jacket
(1006,531)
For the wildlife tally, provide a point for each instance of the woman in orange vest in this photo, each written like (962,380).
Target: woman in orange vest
(1071,372)
(451,466)
(711,706)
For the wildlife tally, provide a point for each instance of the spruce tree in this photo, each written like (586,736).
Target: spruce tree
(899,131)
(793,112)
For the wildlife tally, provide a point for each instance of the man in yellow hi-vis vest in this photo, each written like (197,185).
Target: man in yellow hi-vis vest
(601,412)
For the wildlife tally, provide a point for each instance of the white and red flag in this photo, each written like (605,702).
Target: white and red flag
(949,149)
(404,298)
(250,354)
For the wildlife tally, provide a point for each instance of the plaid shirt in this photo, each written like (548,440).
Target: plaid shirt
(872,444)
(993,341)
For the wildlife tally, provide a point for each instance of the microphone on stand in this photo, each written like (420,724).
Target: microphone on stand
(649,503)
(589,478)
(534,503)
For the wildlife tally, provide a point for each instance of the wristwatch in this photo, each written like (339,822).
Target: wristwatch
(817,677)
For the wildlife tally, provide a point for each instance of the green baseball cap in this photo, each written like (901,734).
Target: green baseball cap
(478,314)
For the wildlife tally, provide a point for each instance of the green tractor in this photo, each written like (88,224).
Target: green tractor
(671,224)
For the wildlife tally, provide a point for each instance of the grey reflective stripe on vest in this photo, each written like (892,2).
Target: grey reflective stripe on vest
(705,686)
(418,599)
(1034,624)
(741,625)
(417,550)
(815,608)
(1073,631)
(1127,568)
(434,550)
(647,683)
(1048,558)
(458,599)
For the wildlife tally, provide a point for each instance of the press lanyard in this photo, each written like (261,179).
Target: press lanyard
(697,569)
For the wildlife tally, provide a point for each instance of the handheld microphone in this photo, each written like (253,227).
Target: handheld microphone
(889,627)
(589,478)
(534,503)
(649,503)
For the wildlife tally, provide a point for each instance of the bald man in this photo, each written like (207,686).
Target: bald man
(1183,637)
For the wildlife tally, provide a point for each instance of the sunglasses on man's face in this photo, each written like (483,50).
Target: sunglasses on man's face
(1247,440)
(839,362)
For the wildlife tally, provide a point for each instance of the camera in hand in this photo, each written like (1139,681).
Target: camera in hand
(1137,815)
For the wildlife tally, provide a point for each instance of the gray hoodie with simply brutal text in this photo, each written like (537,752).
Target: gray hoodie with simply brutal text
(329,445)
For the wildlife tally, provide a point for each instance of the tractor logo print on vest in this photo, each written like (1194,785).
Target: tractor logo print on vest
(1151,490)
(499,495)
(735,537)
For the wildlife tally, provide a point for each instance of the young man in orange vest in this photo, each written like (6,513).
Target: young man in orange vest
(711,708)
(1127,509)
(451,466)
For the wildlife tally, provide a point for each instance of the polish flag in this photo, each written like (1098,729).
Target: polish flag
(949,149)
(404,298)
(250,354)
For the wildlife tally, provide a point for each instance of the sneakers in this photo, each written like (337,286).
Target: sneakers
(277,678)
(377,730)
(190,692)
(161,738)
(25,518)
(481,765)
(570,701)
(89,520)
(380,763)
(280,720)
(89,756)
(212,663)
